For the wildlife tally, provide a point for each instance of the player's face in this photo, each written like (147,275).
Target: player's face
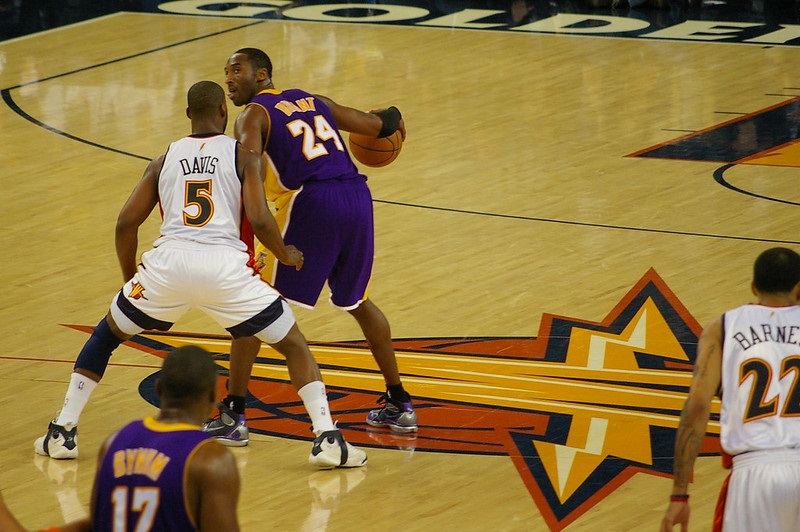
(240,79)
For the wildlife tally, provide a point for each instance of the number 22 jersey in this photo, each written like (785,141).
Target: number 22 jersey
(760,379)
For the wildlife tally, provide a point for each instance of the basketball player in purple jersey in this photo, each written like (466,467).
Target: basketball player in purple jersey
(323,207)
(164,473)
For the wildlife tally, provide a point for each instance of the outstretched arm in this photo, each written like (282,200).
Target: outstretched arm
(355,121)
(694,421)
(133,214)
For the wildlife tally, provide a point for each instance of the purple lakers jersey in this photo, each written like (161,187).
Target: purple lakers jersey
(304,143)
(139,484)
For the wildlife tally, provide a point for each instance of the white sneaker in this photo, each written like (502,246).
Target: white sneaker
(60,442)
(330,451)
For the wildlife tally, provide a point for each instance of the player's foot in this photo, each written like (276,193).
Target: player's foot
(331,450)
(60,442)
(398,416)
(228,427)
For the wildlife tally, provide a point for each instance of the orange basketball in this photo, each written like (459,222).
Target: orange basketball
(375,152)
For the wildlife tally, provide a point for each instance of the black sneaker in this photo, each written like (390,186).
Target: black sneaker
(228,427)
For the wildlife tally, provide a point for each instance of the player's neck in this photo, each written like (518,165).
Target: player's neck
(179,415)
(776,300)
(205,127)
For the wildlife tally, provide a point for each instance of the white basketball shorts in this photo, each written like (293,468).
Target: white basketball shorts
(764,492)
(177,277)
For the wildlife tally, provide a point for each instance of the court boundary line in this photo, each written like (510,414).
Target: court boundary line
(8,99)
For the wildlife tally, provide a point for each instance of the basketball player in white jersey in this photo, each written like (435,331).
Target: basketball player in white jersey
(208,186)
(751,355)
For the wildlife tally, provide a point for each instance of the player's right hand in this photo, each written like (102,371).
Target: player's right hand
(677,514)
(294,257)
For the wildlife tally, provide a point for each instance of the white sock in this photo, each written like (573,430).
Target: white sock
(80,388)
(315,400)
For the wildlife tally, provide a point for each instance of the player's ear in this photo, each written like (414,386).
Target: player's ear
(188,114)
(262,75)
(158,388)
(796,293)
(753,288)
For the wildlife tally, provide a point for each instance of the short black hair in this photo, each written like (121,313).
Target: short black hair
(776,270)
(258,59)
(188,373)
(204,97)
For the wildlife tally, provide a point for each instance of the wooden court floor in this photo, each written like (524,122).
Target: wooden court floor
(544,283)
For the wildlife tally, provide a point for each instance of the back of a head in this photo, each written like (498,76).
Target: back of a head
(776,270)
(188,374)
(204,98)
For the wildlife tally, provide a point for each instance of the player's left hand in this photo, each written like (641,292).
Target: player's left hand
(401,127)
(294,257)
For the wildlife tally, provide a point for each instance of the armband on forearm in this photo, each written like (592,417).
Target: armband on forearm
(391,121)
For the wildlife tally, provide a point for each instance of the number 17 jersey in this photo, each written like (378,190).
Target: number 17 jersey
(140,484)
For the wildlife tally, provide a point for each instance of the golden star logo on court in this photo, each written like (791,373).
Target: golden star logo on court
(579,409)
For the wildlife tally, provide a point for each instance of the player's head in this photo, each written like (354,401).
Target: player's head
(776,270)
(188,379)
(205,103)
(247,72)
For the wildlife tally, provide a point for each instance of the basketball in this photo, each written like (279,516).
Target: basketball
(375,152)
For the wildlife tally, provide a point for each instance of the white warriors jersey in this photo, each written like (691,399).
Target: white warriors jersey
(760,379)
(200,192)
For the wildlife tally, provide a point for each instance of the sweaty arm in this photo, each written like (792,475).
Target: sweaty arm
(255,206)
(251,128)
(694,419)
(355,121)
(212,488)
(133,214)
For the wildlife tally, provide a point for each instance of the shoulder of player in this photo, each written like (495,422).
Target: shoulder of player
(253,116)
(713,330)
(157,162)
(106,446)
(253,110)
(211,458)
(210,452)
(325,100)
